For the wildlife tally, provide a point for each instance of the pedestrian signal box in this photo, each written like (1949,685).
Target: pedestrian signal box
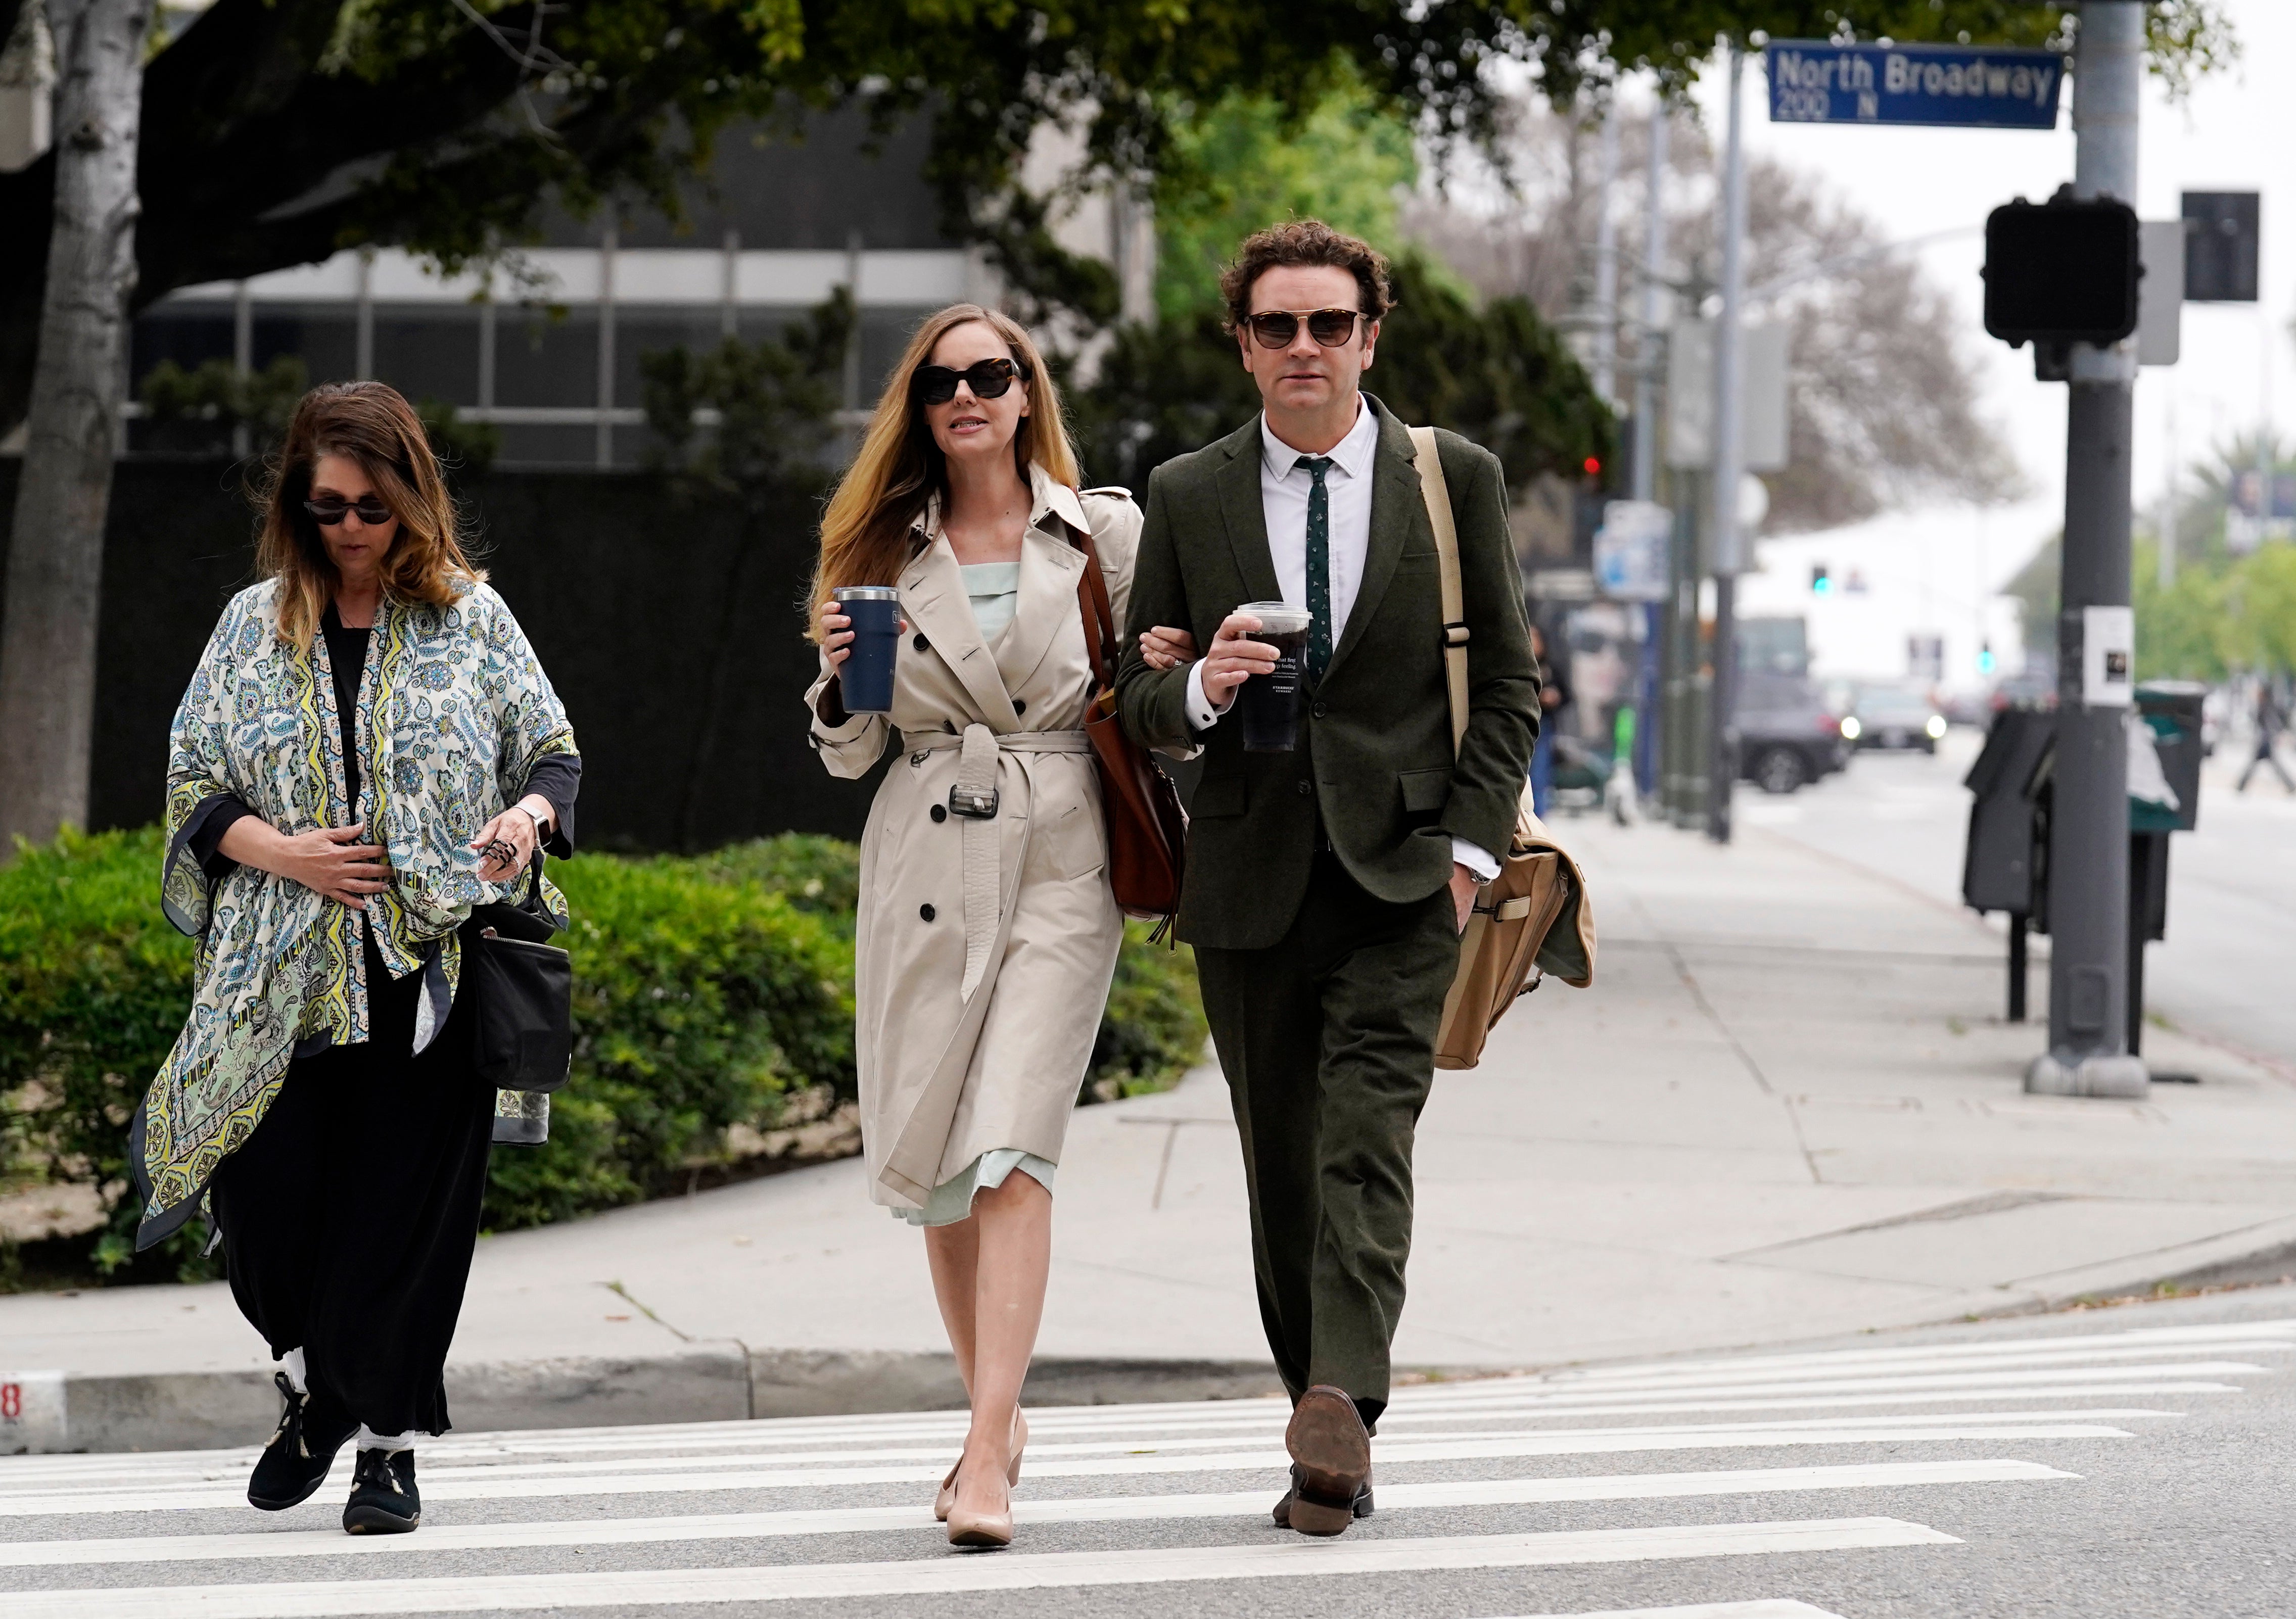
(1821,580)
(2221,234)
(2064,271)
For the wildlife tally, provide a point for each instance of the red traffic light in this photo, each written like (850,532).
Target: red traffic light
(1594,465)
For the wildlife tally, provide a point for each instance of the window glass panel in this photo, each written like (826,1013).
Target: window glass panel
(429,351)
(539,360)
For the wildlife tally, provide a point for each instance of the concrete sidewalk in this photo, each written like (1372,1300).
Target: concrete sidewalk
(1787,1108)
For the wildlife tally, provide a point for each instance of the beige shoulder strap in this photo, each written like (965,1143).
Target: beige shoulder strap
(1438,497)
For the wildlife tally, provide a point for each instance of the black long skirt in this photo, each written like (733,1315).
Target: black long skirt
(350,1215)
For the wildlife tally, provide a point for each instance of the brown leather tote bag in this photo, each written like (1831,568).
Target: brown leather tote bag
(1147,829)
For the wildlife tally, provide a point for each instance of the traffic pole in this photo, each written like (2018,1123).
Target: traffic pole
(2088,821)
(1727,545)
(1647,724)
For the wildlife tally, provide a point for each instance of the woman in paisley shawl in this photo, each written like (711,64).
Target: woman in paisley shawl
(367,750)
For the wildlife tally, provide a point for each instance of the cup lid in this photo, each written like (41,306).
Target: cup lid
(1277,617)
(865,592)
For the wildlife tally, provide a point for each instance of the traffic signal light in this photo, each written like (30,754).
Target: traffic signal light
(1821,580)
(2221,234)
(2064,272)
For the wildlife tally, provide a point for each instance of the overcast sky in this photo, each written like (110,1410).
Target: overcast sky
(2236,132)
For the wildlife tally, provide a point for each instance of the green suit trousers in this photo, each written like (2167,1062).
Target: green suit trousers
(1327,1038)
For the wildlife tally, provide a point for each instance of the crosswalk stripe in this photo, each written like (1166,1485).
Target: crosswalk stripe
(2246,1335)
(854,1520)
(438,1461)
(1911,1374)
(953,1574)
(482,1484)
(1769,1609)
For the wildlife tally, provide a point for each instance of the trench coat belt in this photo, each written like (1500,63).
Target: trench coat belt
(980,843)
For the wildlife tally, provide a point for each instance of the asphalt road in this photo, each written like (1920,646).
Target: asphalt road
(2120,1462)
(2221,972)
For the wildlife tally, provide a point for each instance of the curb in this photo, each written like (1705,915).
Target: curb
(58,1413)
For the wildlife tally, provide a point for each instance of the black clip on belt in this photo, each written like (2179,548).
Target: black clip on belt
(973,802)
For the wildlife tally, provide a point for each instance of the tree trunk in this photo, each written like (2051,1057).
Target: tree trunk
(56,561)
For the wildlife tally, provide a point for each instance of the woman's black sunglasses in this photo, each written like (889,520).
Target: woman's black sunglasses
(988,380)
(1277,328)
(328,512)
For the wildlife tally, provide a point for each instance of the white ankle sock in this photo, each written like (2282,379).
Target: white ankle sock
(293,1361)
(369,1440)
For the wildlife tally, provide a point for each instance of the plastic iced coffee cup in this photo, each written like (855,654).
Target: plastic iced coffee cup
(1270,702)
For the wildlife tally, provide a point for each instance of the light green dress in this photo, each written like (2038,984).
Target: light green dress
(994,589)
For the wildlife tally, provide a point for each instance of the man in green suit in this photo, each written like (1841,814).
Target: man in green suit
(1327,887)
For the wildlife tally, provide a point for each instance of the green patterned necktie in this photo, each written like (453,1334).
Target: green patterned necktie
(1319,567)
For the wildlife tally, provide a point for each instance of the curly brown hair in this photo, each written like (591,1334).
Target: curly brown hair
(1304,243)
(372,424)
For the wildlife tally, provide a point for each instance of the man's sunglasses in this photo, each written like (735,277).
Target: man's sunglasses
(1279,328)
(329,510)
(988,380)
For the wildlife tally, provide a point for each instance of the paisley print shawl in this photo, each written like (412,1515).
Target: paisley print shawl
(454,710)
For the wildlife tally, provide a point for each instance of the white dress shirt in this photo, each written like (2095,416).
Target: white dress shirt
(1285,488)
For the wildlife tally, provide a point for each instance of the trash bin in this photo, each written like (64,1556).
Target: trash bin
(2169,711)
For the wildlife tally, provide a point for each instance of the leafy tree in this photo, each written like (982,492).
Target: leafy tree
(1498,374)
(1882,385)
(1245,162)
(278,131)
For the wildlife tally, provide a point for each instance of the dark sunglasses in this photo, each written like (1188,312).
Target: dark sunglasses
(1277,328)
(328,511)
(988,380)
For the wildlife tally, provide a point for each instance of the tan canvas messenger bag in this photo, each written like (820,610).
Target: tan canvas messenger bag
(1534,917)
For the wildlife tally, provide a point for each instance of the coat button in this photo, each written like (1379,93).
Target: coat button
(922,644)
(939,812)
(926,912)
(1019,707)
(1318,711)
(1307,788)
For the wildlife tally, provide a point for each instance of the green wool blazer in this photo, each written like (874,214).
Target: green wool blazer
(1375,770)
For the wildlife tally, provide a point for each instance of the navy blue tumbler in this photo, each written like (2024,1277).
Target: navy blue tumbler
(875,610)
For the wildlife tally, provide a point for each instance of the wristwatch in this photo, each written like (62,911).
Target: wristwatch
(531,815)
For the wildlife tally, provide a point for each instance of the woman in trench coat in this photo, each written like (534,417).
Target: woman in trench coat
(985,941)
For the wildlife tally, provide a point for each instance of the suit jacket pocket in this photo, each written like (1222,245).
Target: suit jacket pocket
(1219,795)
(1425,792)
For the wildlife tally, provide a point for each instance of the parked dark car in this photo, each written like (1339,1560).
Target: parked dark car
(1884,716)
(1786,736)
(2033,687)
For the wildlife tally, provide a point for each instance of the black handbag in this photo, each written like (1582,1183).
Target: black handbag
(521,991)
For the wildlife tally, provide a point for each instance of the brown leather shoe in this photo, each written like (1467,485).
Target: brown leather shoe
(1282,1513)
(1331,1461)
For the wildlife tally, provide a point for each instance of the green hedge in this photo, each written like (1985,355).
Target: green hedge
(708,990)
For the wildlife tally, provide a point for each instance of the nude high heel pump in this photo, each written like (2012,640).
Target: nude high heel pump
(989,1531)
(947,1498)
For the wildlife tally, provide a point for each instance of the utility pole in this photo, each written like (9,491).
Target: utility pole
(1727,545)
(2088,821)
(1606,263)
(1647,724)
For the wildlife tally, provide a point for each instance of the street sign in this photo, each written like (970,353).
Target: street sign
(2160,296)
(2221,251)
(1632,551)
(1761,396)
(1967,87)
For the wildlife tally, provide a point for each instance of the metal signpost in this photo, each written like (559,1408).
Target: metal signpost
(1988,87)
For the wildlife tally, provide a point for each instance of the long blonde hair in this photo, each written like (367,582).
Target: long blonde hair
(900,470)
(372,424)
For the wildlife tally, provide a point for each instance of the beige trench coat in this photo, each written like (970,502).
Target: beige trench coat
(985,946)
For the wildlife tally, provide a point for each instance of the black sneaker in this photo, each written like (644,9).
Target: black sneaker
(301,1449)
(383,1500)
